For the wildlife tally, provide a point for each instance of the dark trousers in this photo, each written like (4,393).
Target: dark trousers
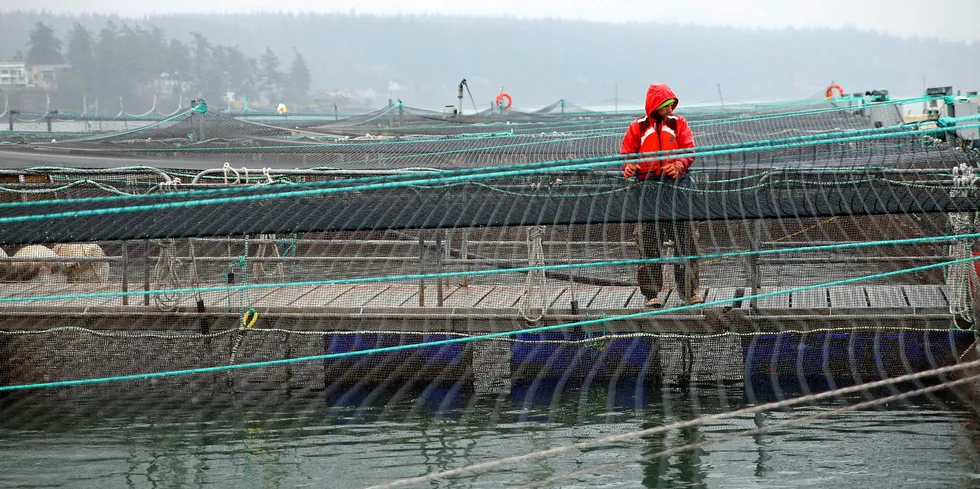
(649,238)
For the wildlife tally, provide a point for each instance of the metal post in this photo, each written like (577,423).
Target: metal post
(754,279)
(464,254)
(439,288)
(146,273)
(951,112)
(125,273)
(200,125)
(48,118)
(421,270)
(573,304)
(459,96)
(447,253)
(10,118)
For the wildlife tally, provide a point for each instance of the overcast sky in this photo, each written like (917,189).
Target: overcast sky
(952,19)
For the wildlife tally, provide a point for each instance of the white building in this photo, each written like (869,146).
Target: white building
(13,74)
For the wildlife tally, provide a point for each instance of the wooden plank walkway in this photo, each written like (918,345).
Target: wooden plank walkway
(910,299)
(468,308)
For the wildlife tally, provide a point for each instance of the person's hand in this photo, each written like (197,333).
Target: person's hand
(674,169)
(630,169)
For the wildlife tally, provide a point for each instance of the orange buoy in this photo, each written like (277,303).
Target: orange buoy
(501,97)
(830,91)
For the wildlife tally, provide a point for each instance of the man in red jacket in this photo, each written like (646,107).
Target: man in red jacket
(661,130)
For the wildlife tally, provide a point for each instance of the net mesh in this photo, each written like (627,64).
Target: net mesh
(207,252)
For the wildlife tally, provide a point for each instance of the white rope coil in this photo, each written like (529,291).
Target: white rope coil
(533,298)
(167,277)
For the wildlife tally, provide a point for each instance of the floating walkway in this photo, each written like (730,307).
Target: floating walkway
(475,308)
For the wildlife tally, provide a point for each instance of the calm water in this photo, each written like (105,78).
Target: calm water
(341,440)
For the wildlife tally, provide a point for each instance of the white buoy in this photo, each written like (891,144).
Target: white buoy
(37,271)
(90,271)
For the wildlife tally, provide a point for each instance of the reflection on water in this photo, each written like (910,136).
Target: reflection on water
(362,436)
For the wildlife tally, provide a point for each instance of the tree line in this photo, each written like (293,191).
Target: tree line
(421,59)
(130,62)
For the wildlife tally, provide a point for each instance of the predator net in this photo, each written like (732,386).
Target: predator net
(817,245)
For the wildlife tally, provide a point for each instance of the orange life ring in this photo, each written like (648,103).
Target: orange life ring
(501,97)
(830,91)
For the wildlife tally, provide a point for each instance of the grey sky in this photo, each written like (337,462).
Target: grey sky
(951,20)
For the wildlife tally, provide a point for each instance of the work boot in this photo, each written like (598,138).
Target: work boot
(654,302)
(695,298)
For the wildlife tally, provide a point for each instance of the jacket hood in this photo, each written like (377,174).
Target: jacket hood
(657,94)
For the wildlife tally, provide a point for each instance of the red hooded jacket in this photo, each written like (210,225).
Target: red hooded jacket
(649,134)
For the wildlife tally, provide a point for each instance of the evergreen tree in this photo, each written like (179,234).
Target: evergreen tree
(80,81)
(270,78)
(81,53)
(177,66)
(44,46)
(297,86)
(110,86)
(241,73)
(207,76)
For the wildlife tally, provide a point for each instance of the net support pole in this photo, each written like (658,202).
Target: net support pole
(459,97)
(10,119)
(752,262)
(447,254)
(199,126)
(146,273)
(439,288)
(464,254)
(951,136)
(125,273)
(421,270)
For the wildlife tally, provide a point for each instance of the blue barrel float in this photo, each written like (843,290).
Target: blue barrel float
(778,365)
(447,362)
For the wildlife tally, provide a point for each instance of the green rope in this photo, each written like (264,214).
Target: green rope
(534,168)
(198,108)
(445,177)
(450,341)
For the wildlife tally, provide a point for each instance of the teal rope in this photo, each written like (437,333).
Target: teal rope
(363,280)
(399,181)
(198,108)
(488,336)
(845,136)
(511,133)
